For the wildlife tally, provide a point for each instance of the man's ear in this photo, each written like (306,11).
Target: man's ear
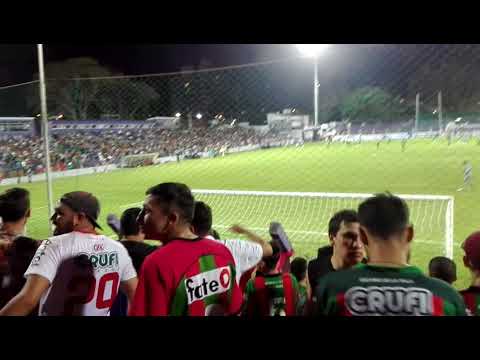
(29,213)
(466,262)
(410,233)
(363,236)
(331,239)
(173,217)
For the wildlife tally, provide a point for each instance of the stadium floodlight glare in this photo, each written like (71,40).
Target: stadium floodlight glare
(313,51)
(178,115)
(199,116)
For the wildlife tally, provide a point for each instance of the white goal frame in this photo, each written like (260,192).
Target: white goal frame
(449,213)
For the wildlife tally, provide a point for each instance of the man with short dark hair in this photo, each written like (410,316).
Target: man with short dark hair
(247,254)
(132,237)
(345,249)
(14,214)
(387,285)
(272,293)
(471,259)
(75,220)
(443,268)
(188,275)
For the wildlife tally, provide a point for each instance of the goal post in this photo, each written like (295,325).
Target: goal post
(305,215)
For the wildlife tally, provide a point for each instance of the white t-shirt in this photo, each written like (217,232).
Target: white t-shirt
(111,266)
(246,254)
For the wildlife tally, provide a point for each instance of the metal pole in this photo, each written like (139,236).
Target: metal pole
(315,92)
(417,111)
(440,113)
(46,145)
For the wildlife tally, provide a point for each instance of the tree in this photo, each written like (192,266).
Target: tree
(127,98)
(372,104)
(457,77)
(67,93)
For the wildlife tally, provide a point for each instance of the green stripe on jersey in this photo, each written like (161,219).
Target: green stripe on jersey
(207,263)
(179,305)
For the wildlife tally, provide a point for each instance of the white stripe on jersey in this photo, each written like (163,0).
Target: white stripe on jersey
(111,265)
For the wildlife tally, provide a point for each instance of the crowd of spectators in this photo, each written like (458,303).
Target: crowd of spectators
(23,155)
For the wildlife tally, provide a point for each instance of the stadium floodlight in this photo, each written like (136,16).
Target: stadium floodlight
(458,119)
(177,115)
(199,116)
(313,51)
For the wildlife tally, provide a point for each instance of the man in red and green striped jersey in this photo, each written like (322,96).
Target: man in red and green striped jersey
(471,296)
(387,284)
(188,275)
(271,292)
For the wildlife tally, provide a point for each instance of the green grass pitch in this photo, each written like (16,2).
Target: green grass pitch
(426,167)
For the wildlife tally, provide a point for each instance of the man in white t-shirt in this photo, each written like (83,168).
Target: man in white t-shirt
(75,220)
(247,254)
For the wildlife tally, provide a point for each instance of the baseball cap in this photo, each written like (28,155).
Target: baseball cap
(83,202)
(471,246)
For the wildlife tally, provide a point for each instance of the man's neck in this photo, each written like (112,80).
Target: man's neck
(182,233)
(85,229)
(16,228)
(136,238)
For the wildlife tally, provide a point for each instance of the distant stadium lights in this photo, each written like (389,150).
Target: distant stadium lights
(458,119)
(178,115)
(60,116)
(199,116)
(311,50)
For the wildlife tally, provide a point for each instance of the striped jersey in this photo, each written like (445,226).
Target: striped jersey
(471,297)
(188,278)
(368,290)
(272,295)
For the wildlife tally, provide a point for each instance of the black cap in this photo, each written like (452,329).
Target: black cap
(83,202)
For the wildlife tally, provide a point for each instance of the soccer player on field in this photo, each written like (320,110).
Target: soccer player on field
(467,175)
(346,248)
(471,259)
(75,220)
(247,254)
(386,285)
(188,275)
(272,293)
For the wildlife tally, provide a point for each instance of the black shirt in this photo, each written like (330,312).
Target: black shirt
(138,251)
(320,266)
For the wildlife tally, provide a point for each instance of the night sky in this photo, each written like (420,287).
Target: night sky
(18,63)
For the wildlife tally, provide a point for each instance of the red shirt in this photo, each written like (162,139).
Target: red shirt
(188,277)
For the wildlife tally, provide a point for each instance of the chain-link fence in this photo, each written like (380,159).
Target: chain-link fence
(249,128)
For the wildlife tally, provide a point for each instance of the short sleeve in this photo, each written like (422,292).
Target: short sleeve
(46,260)
(128,270)
(246,254)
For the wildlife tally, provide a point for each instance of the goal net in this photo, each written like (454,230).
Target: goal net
(305,217)
(131,161)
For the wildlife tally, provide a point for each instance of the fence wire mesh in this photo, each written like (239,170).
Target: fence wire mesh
(188,124)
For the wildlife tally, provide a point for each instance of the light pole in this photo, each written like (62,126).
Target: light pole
(313,51)
(43,104)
